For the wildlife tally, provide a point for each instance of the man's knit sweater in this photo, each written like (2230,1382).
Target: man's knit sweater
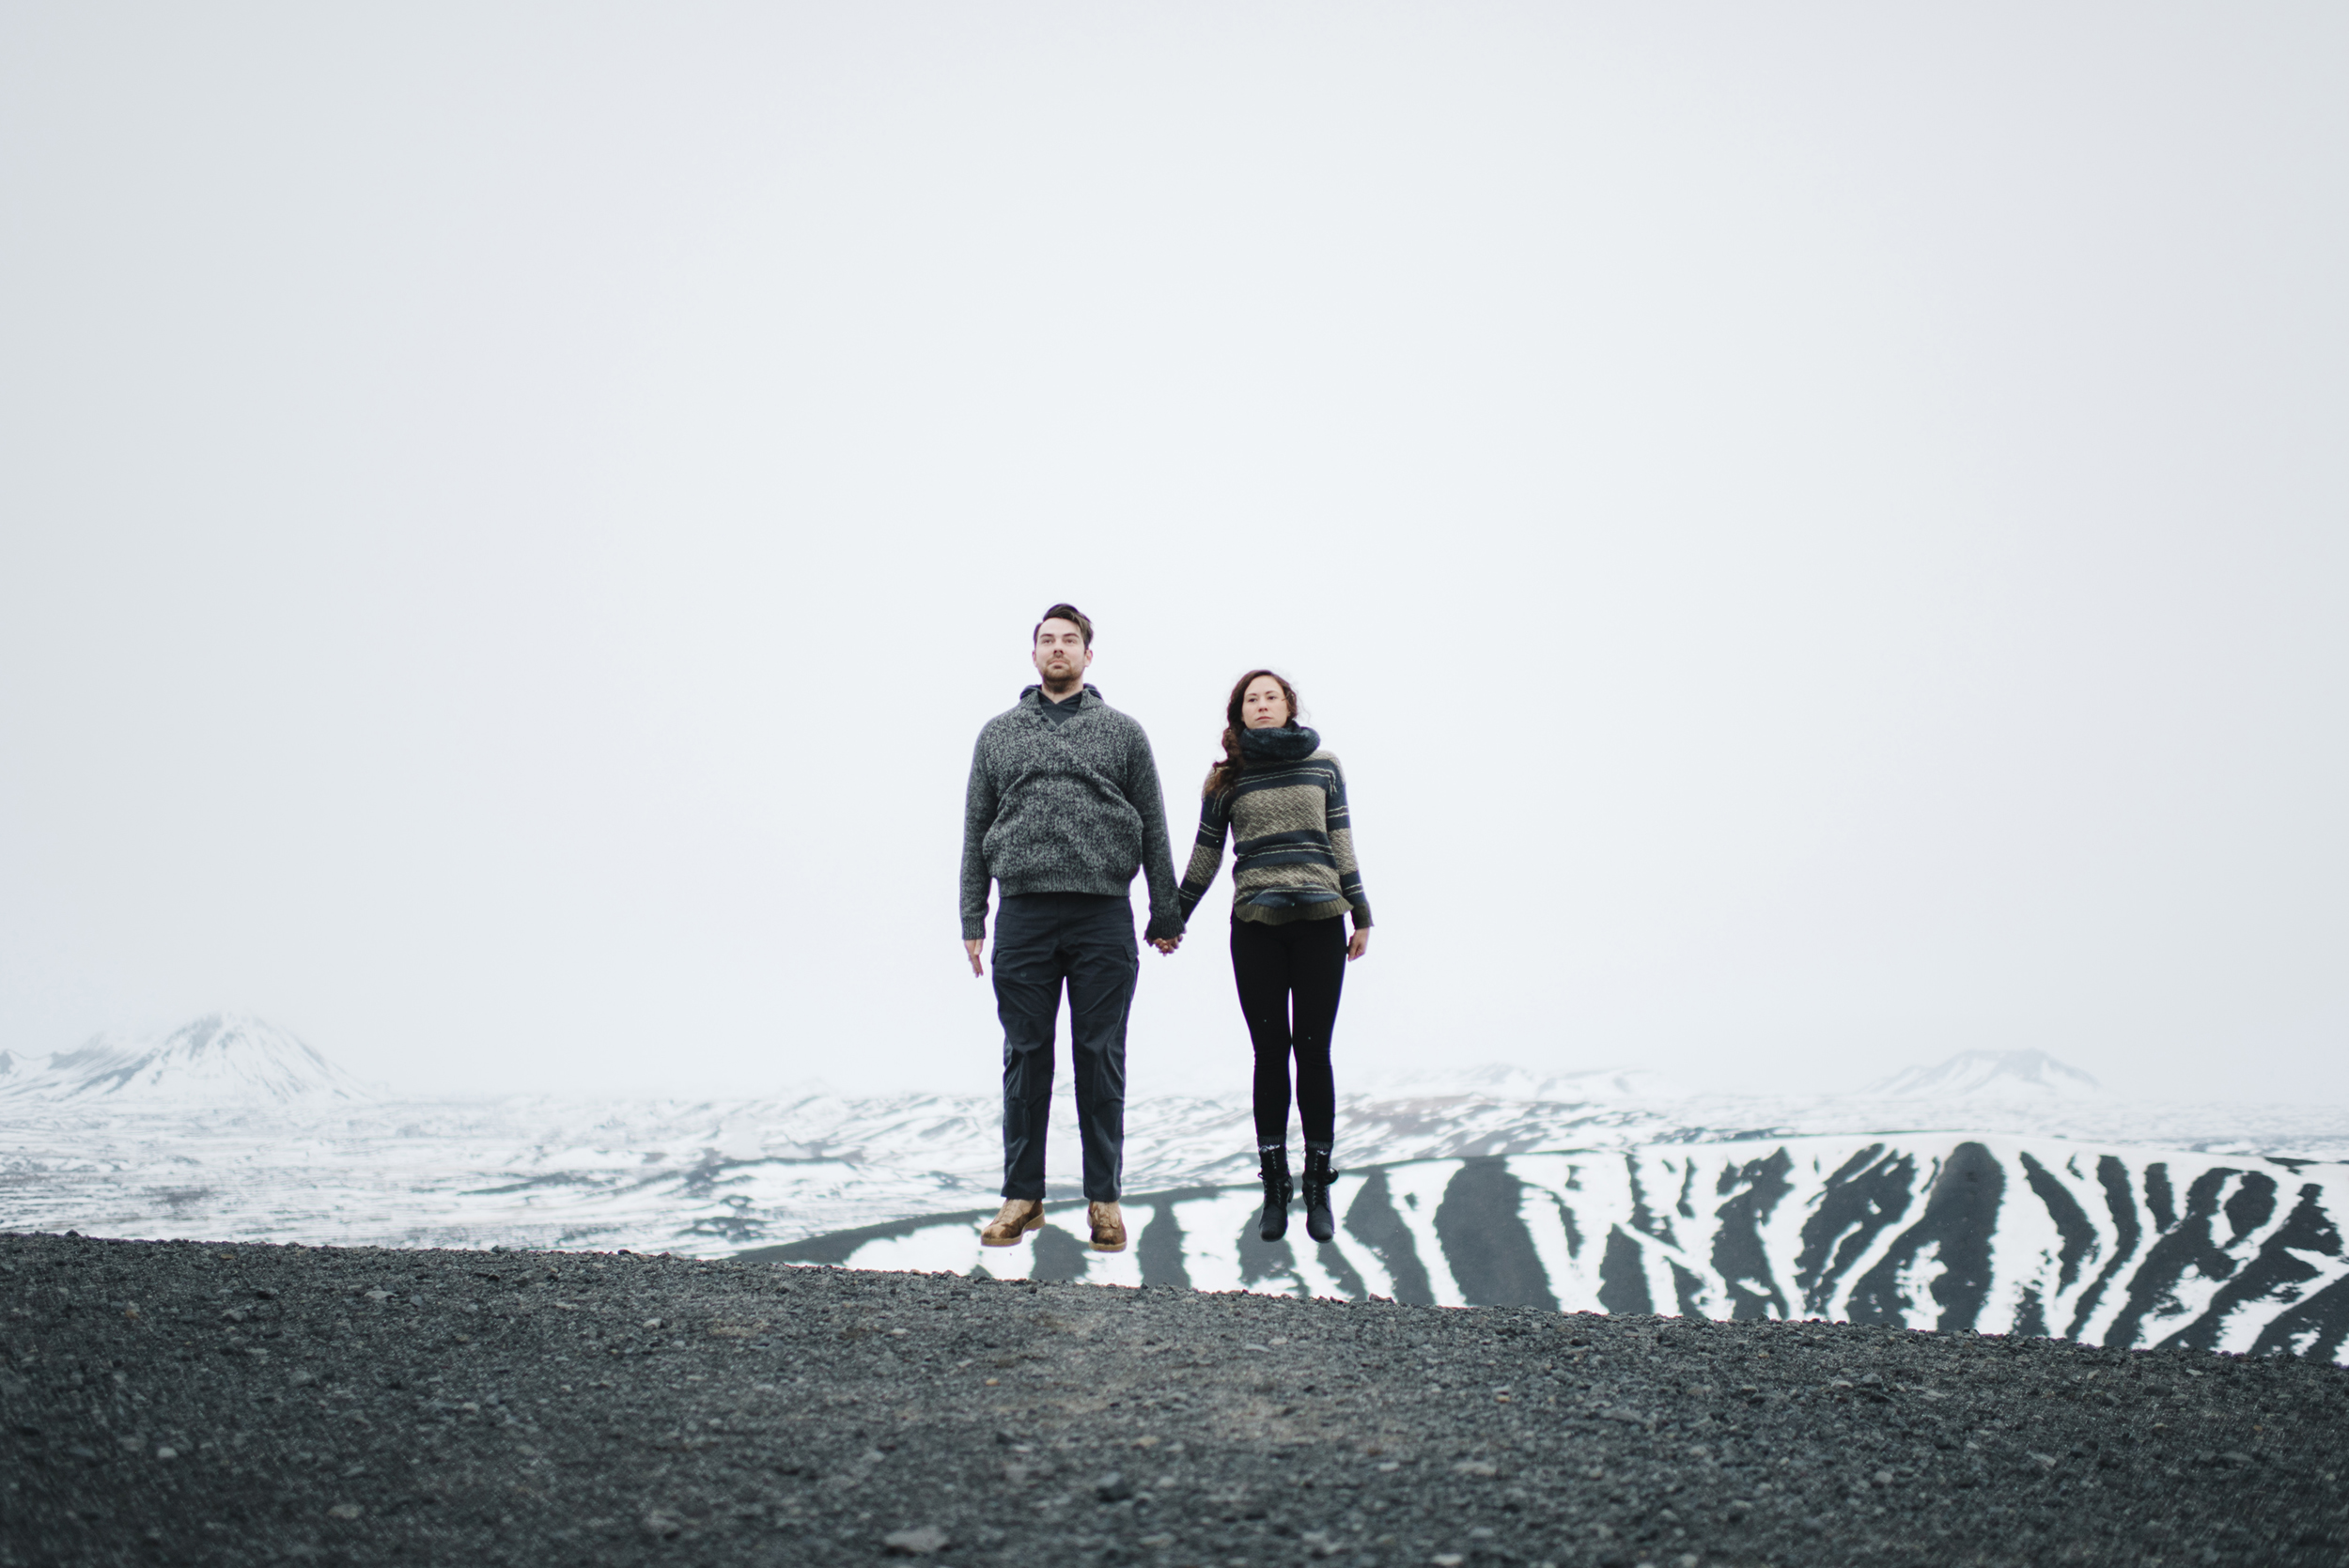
(1065,804)
(1293,838)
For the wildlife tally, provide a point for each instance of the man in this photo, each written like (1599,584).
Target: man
(1063,808)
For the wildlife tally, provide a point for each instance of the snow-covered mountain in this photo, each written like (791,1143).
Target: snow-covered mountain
(1990,1075)
(1993,1235)
(224,1059)
(232,1130)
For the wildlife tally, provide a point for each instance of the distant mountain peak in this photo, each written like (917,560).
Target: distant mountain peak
(1991,1075)
(1502,1081)
(220,1059)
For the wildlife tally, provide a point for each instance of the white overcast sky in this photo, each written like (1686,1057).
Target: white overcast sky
(1818,530)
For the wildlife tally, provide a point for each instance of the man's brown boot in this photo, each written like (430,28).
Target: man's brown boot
(1011,1227)
(1109,1227)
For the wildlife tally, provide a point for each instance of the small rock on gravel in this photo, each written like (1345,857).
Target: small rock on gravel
(919,1541)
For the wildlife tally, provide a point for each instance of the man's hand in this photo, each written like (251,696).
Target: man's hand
(1167,944)
(1355,949)
(972,947)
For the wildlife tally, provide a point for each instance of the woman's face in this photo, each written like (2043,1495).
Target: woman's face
(1264,705)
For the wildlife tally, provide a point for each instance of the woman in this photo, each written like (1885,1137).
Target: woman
(1283,799)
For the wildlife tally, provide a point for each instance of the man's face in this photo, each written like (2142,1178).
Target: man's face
(1061,655)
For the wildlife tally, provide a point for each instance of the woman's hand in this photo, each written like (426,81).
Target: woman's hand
(1360,945)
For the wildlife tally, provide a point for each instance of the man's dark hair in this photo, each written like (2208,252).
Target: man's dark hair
(1065,612)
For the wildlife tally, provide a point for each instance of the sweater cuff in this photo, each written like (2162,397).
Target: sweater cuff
(1362,916)
(1162,929)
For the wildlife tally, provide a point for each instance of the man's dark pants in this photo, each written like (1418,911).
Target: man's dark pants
(1042,940)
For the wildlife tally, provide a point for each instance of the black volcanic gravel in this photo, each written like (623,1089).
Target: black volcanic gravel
(178,1403)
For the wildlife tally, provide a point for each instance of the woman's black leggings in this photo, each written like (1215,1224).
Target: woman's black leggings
(1304,961)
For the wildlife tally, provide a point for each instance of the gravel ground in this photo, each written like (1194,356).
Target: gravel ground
(185,1403)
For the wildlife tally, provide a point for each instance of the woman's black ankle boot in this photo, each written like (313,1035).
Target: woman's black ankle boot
(1274,1162)
(1319,1224)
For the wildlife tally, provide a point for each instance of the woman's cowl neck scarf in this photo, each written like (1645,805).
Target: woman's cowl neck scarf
(1291,743)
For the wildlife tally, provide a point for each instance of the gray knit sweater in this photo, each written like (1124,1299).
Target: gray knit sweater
(1066,807)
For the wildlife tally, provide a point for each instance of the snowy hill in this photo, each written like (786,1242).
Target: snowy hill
(226,1059)
(1994,1234)
(2195,1216)
(1991,1075)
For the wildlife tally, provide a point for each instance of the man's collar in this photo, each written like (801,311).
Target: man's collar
(1034,694)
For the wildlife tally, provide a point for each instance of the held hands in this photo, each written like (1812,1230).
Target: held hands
(1355,949)
(971,949)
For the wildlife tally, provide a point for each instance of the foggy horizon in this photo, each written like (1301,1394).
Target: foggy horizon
(513,523)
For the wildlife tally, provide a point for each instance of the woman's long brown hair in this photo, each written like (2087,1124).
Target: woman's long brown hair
(1226,773)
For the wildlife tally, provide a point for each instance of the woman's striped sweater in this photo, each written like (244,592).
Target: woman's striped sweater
(1292,840)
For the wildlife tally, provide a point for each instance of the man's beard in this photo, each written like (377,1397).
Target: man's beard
(1062,677)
